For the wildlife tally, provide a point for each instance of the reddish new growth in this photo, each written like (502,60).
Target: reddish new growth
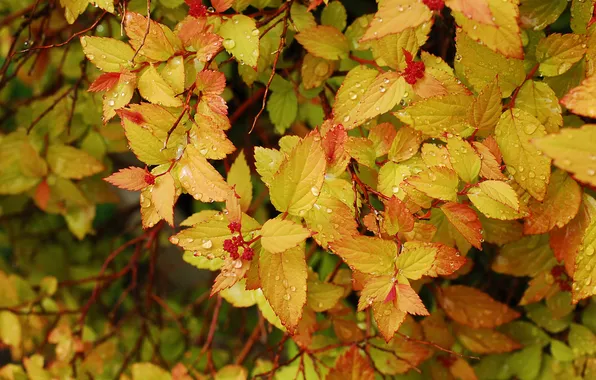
(434,5)
(414,70)
(149,178)
(558,272)
(446,361)
(232,245)
(197,9)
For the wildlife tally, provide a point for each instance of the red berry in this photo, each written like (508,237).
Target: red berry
(230,246)
(149,178)
(234,227)
(414,70)
(197,9)
(557,271)
(434,5)
(248,253)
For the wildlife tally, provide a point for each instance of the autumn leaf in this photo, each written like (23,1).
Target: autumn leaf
(69,162)
(279,235)
(366,254)
(580,100)
(584,261)
(132,178)
(163,195)
(239,178)
(352,366)
(200,179)
(324,41)
(466,221)
(436,182)
(484,340)
(395,16)
(496,199)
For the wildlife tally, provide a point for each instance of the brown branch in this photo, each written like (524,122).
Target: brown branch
(146,31)
(213,325)
(249,343)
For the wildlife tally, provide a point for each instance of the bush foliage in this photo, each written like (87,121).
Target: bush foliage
(403,189)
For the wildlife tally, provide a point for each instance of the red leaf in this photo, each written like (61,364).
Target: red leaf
(313,4)
(104,82)
(211,82)
(333,143)
(447,261)
(132,178)
(221,5)
(409,301)
(42,195)
(133,116)
(191,28)
(391,295)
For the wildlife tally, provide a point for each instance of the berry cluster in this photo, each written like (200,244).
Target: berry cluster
(197,9)
(232,245)
(434,5)
(561,278)
(414,70)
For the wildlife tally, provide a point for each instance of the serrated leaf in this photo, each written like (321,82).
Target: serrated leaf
(282,107)
(73,8)
(405,144)
(389,318)
(144,144)
(239,178)
(157,45)
(155,89)
(496,199)
(389,51)
(474,308)
(557,53)
(485,341)
(391,179)
(436,116)
(538,99)
(353,86)
(132,178)
(486,109)
(477,10)
(283,280)
(69,162)
(538,14)
(351,365)
(464,159)
(409,301)
(366,254)
(466,221)
(279,235)
(119,95)
(581,14)
(241,39)
(479,64)
(298,181)
(416,259)
(107,54)
(584,273)
(163,195)
(436,182)
(394,16)
(324,42)
(267,162)
(149,371)
(200,179)
(581,340)
(397,217)
(573,150)
(315,71)
(530,168)
(301,17)
(559,207)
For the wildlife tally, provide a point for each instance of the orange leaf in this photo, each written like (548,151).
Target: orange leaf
(474,308)
(447,261)
(466,221)
(221,5)
(409,301)
(397,217)
(42,195)
(104,82)
(580,100)
(477,10)
(133,179)
(211,82)
(351,366)
(164,197)
(135,117)
(333,144)
(485,341)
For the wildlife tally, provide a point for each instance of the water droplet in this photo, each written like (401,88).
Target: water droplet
(346,118)
(229,43)
(382,89)
(314,191)
(395,189)
(287,297)
(111,103)
(174,240)
(591,172)
(207,244)
(589,250)
(353,95)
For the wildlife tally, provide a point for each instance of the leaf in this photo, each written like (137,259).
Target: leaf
(477,10)
(119,95)
(222,6)
(154,88)
(395,16)
(69,162)
(581,14)
(149,371)
(572,150)
(490,167)
(584,273)
(416,259)
(485,341)
(538,14)
(132,178)
(557,53)
(283,280)
(362,150)
(239,178)
(279,235)
(466,221)
(323,296)
(73,8)
(107,54)
(496,199)
(298,181)
(539,100)
(283,109)
(241,39)
(405,144)
(315,71)
(157,45)
(397,217)
(436,182)
(104,82)
(163,196)
(479,65)
(391,179)
(486,109)
(351,366)
(302,17)
(530,168)
(436,116)
(143,143)
(334,14)
(447,261)
(354,85)
(464,159)
(473,308)
(267,162)
(527,256)
(324,42)
(10,329)
(366,254)
(502,35)
(581,340)
(200,179)
(327,216)
(388,317)
(559,207)
(409,301)
(382,136)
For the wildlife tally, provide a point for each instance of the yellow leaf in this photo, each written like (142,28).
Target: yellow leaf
(466,221)
(486,109)
(581,100)
(464,159)
(395,16)
(163,195)
(298,181)
(416,258)
(154,88)
(366,254)
(149,371)
(539,100)
(283,280)
(267,162)
(174,75)
(436,182)
(496,199)
(479,65)
(581,14)
(200,179)
(560,205)
(585,270)
(477,10)
(558,52)
(315,71)
(241,39)
(353,86)
(323,296)
(391,179)
(119,96)
(502,35)
(10,329)
(239,178)
(144,144)
(530,168)
(108,54)
(405,144)
(157,45)
(279,235)
(388,317)
(330,218)
(73,8)
(375,289)
(324,41)
(387,51)
(68,162)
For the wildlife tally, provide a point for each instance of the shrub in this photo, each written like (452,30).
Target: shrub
(403,189)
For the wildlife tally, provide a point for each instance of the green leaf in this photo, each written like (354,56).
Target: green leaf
(232,372)
(529,256)
(557,53)
(144,144)
(69,162)
(530,168)
(526,362)
(464,159)
(324,42)
(496,199)
(581,12)
(416,258)
(581,340)
(538,14)
(155,89)
(526,333)
(302,19)
(299,179)
(390,179)
(334,14)
(366,254)
(283,280)
(323,296)
(10,329)
(267,162)
(279,235)
(108,54)
(241,39)
(73,8)
(149,371)
(561,351)
(283,109)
